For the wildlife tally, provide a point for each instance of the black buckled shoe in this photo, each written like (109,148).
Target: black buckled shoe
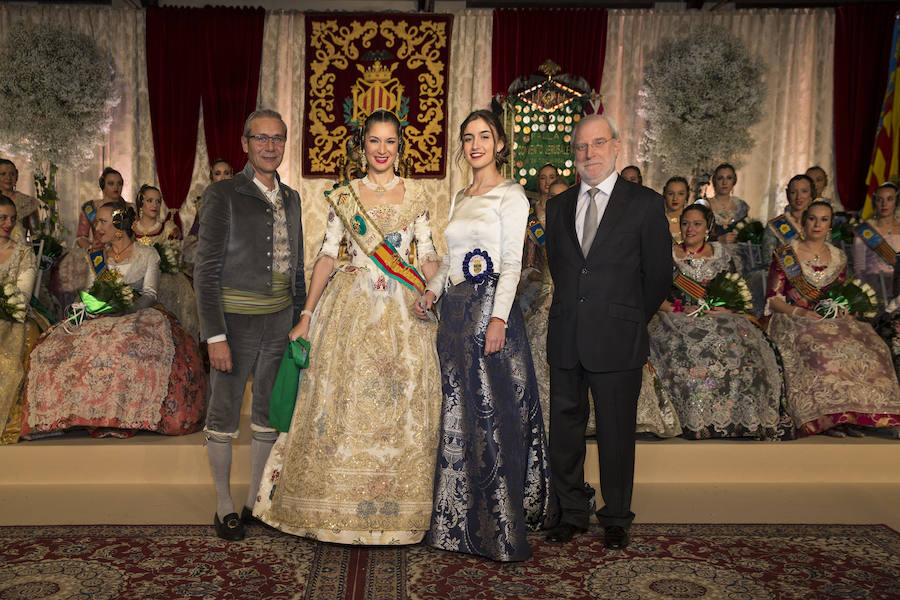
(230,528)
(615,537)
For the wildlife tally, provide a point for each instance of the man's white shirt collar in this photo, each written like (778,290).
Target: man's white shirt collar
(606,186)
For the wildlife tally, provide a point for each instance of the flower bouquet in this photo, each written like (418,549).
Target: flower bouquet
(169,257)
(842,229)
(749,230)
(108,294)
(12,303)
(728,290)
(854,297)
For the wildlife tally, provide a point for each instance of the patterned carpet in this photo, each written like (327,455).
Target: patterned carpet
(663,562)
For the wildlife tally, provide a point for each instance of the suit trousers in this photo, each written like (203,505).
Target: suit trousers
(615,395)
(257,344)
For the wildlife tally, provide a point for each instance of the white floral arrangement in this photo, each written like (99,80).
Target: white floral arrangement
(13,306)
(169,256)
(700,96)
(57,92)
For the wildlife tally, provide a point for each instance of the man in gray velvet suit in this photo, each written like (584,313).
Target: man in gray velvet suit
(248,277)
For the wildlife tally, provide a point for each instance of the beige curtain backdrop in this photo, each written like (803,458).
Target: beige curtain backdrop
(795,132)
(128,146)
(281,87)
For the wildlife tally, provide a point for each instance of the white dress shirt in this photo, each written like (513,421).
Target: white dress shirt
(496,223)
(601,200)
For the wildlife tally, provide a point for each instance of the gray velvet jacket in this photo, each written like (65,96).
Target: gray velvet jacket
(234,247)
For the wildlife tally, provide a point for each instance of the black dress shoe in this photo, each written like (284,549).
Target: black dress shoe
(247,516)
(615,537)
(564,532)
(230,528)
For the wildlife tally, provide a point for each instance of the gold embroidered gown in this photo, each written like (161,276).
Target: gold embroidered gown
(357,466)
(19,269)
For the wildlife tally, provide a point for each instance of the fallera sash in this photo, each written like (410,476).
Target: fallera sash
(790,264)
(784,228)
(88,209)
(365,233)
(535,229)
(689,286)
(876,243)
(98,261)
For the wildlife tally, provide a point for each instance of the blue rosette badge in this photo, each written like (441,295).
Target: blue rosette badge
(477,266)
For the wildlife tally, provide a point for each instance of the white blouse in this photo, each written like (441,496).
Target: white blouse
(496,223)
(140,271)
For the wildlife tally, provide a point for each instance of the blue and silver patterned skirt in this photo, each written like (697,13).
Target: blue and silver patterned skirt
(492,482)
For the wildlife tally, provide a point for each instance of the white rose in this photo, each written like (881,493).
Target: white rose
(19,315)
(9,289)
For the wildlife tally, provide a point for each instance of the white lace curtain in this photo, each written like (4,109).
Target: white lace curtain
(796,128)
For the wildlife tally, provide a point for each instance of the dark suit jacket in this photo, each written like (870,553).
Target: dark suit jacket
(602,303)
(235,246)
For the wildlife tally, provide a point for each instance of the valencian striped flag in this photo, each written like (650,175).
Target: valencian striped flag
(886,154)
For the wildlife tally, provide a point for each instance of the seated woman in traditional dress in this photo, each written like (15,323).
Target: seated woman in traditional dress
(728,210)
(675,194)
(152,228)
(116,374)
(876,243)
(219,169)
(357,465)
(27,216)
(786,227)
(632,173)
(838,371)
(721,372)
(18,268)
(493,473)
(72,272)
(534,260)
(820,181)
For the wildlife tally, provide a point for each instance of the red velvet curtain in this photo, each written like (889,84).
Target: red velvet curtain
(213,53)
(232,43)
(173,64)
(862,53)
(573,38)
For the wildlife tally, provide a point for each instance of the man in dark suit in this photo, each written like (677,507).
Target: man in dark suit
(609,253)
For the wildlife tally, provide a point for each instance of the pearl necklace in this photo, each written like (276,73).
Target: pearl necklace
(377,187)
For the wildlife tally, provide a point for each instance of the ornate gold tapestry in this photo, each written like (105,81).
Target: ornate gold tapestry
(357,63)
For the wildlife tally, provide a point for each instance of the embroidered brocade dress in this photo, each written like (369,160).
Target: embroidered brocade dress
(357,465)
(19,269)
(117,374)
(870,268)
(836,370)
(493,474)
(655,412)
(176,292)
(720,370)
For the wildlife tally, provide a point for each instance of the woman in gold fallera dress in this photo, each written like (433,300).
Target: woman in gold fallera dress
(357,465)
(176,292)
(17,267)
